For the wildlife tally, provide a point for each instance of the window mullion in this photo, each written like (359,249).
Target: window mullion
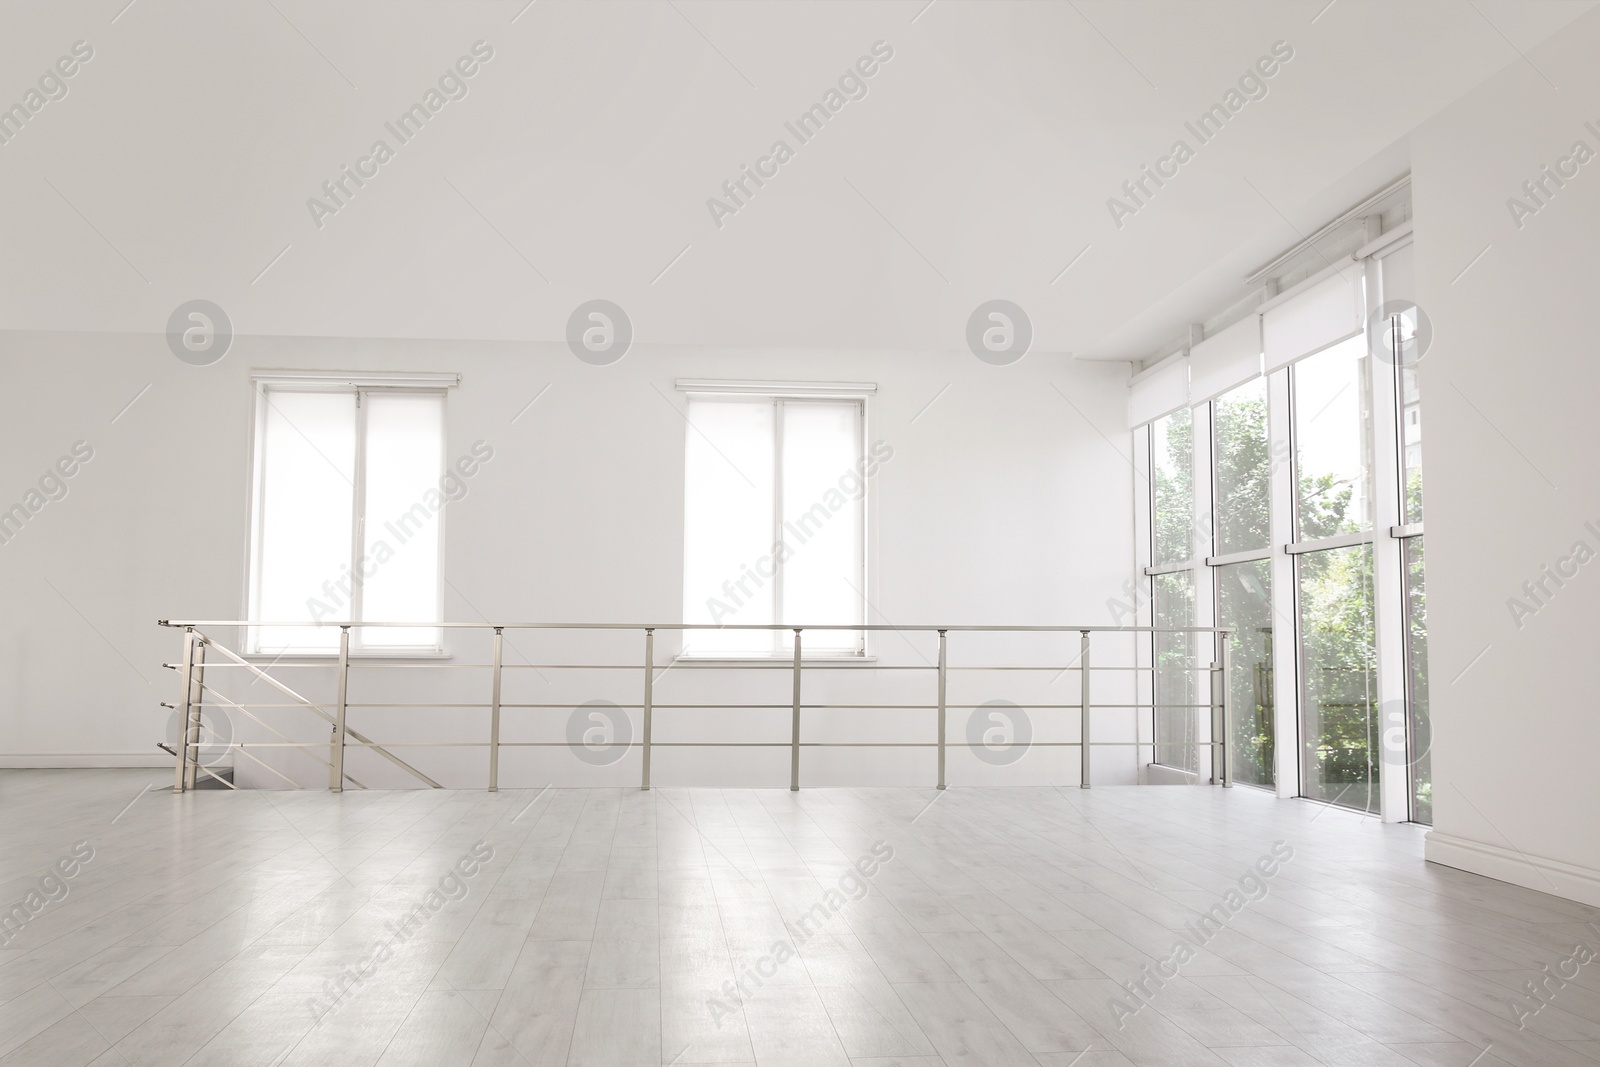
(358,523)
(778,490)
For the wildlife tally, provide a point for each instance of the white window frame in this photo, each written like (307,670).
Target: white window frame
(780,392)
(361,385)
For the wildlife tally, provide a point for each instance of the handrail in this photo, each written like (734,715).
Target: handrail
(195,692)
(863,627)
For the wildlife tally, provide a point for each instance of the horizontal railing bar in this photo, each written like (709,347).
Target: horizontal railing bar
(746,744)
(767,626)
(568,706)
(664,668)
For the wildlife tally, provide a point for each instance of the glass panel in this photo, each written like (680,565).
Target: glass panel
(1244,468)
(1411,445)
(400,556)
(1421,758)
(728,524)
(1338,677)
(1333,458)
(823,489)
(304,509)
(1244,605)
(1172,474)
(1177,683)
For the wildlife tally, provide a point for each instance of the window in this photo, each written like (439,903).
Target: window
(346,512)
(1177,688)
(1332,441)
(1172,482)
(1338,677)
(1244,605)
(1244,467)
(775,522)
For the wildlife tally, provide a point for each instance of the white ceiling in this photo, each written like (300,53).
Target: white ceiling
(579,164)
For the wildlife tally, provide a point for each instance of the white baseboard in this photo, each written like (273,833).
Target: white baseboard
(1581,884)
(58,760)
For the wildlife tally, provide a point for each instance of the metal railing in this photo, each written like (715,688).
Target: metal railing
(196,694)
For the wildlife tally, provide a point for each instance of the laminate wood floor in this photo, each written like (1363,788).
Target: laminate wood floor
(849,927)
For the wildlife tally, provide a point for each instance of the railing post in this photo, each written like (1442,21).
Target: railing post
(185,704)
(1227,709)
(1083,701)
(336,744)
(195,726)
(494,714)
(941,705)
(649,700)
(794,739)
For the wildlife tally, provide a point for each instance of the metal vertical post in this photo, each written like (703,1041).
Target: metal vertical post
(336,745)
(649,700)
(941,705)
(185,705)
(193,727)
(1083,701)
(794,739)
(494,714)
(1227,709)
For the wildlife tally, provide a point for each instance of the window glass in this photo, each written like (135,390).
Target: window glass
(1177,683)
(1332,455)
(400,554)
(1244,606)
(1411,445)
(1421,734)
(1172,478)
(1244,468)
(823,489)
(729,500)
(305,506)
(1338,677)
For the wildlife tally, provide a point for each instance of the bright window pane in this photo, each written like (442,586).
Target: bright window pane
(1244,605)
(822,513)
(729,512)
(1338,677)
(1411,443)
(305,503)
(1172,477)
(1177,683)
(400,559)
(1332,459)
(1419,754)
(1244,467)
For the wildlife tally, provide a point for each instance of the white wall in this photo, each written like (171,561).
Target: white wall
(1510,390)
(1001,505)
